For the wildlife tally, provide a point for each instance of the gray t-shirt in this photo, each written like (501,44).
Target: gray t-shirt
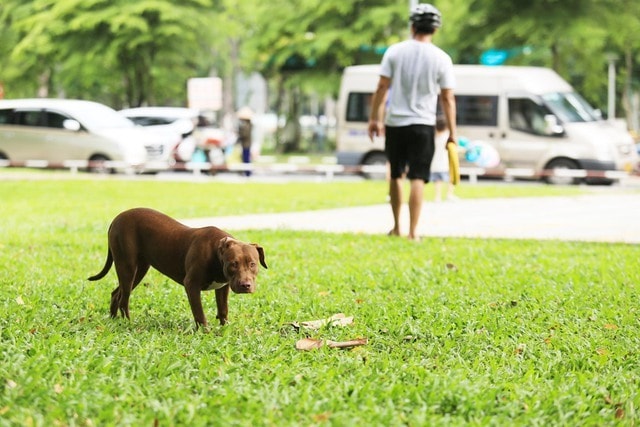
(417,71)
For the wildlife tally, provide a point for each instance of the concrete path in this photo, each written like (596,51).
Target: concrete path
(597,218)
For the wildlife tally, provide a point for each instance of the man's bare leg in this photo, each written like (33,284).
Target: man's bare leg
(416,197)
(395,198)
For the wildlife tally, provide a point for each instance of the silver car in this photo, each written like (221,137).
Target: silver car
(58,131)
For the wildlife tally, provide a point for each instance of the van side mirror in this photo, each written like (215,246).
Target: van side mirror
(72,125)
(598,114)
(552,127)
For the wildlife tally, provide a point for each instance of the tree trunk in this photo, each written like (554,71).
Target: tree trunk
(44,81)
(293,130)
(278,107)
(629,98)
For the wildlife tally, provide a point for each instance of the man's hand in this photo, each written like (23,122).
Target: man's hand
(375,129)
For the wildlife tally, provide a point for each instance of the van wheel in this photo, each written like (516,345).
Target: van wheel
(375,159)
(561,165)
(98,165)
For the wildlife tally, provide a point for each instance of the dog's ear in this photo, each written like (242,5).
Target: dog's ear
(260,254)
(225,242)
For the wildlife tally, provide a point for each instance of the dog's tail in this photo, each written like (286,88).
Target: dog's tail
(105,269)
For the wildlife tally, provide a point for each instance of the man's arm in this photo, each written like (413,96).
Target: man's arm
(448,102)
(379,97)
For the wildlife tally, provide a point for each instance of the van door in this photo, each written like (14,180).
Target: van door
(527,142)
(477,119)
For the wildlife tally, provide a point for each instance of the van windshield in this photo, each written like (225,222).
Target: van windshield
(570,107)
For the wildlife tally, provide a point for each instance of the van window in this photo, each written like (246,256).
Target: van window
(477,110)
(570,107)
(359,106)
(527,116)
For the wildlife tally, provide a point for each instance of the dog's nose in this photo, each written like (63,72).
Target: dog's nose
(245,286)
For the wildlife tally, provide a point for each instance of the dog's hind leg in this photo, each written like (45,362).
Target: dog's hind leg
(141,271)
(120,295)
(127,274)
(115,301)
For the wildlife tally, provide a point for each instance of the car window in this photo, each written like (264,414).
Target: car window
(54,120)
(28,117)
(152,121)
(5,116)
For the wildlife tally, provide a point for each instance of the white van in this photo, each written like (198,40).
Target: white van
(530,115)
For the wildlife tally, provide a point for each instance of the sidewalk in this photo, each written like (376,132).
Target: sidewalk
(595,218)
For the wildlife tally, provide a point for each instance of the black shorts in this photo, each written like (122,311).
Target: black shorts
(410,150)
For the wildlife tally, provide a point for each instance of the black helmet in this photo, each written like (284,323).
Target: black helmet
(426,14)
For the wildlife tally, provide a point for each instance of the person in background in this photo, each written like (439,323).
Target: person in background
(244,135)
(418,70)
(440,163)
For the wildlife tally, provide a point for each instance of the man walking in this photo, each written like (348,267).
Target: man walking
(416,71)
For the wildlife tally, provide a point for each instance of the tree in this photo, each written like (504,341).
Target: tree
(142,51)
(571,36)
(105,48)
(304,45)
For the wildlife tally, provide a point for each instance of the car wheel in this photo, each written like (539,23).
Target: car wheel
(97,165)
(375,159)
(560,165)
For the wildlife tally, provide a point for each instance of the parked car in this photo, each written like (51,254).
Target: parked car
(191,124)
(168,121)
(58,130)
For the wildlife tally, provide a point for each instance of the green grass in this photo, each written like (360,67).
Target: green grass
(461,331)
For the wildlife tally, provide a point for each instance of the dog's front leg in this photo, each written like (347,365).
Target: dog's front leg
(195,301)
(222,298)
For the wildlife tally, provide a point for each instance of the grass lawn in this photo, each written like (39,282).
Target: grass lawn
(460,331)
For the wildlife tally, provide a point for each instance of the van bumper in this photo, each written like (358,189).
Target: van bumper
(348,158)
(597,165)
(593,167)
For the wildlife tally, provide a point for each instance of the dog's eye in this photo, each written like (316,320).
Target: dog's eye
(252,264)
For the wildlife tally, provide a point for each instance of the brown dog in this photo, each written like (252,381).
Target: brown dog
(200,259)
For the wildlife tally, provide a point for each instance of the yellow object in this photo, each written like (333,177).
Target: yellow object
(454,163)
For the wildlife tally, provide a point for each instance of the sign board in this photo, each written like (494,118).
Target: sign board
(205,93)
(494,57)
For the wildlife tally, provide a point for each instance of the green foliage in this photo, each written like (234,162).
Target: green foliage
(97,47)
(461,331)
(143,51)
(573,37)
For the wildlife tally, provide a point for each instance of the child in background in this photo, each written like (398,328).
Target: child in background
(440,163)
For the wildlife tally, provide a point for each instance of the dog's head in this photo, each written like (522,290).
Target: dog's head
(240,264)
